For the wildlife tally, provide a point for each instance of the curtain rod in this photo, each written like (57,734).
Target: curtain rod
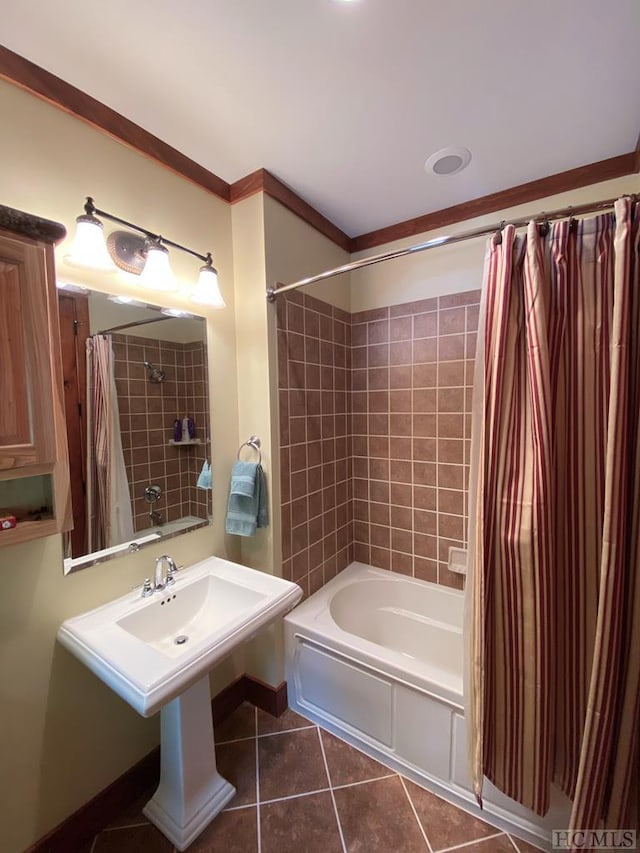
(545,216)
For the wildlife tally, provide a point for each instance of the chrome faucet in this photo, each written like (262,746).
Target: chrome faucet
(160,580)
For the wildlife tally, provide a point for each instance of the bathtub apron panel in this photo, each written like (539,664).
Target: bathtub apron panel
(376,658)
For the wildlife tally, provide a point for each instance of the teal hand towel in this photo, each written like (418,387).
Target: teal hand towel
(263,509)
(204,478)
(247,509)
(243,478)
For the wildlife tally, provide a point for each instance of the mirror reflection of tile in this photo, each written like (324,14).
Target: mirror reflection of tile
(147,415)
(160,371)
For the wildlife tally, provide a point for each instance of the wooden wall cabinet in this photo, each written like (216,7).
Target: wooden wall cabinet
(34,467)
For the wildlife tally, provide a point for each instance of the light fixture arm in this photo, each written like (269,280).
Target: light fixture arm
(91,210)
(90,250)
(208,263)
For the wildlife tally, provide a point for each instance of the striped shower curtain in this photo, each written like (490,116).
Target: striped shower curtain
(109,514)
(553,594)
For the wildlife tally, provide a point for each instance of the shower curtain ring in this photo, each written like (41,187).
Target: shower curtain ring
(545,225)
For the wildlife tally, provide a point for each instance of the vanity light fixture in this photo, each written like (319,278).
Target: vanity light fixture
(206,290)
(89,249)
(157,274)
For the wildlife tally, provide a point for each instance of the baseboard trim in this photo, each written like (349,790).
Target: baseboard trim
(227,700)
(273,700)
(93,816)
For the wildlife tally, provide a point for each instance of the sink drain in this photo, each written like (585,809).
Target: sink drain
(181,639)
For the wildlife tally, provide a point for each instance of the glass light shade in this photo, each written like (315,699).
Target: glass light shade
(88,248)
(126,300)
(70,287)
(207,291)
(175,312)
(157,274)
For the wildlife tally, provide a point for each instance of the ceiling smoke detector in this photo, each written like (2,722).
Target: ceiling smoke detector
(448,161)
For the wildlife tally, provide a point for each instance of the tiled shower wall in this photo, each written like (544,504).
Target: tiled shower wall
(315,449)
(404,422)
(196,405)
(147,413)
(412,377)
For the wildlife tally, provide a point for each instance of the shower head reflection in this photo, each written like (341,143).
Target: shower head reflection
(155,373)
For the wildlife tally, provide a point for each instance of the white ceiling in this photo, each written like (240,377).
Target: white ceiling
(344,101)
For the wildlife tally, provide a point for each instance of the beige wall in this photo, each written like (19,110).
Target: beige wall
(452,269)
(254,416)
(295,250)
(270,245)
(64,735)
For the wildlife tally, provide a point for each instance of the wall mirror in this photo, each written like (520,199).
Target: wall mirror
(137,410)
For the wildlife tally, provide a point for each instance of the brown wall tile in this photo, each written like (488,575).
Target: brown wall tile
(379,491)
(452,320)
(386,393)
(148,411)
(400,329)
(400,376)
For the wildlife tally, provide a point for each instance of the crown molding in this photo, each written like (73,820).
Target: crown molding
(592,173)
(41,83)
(27,75)
(263,181)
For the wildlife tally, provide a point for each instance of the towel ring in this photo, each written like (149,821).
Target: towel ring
(255,443)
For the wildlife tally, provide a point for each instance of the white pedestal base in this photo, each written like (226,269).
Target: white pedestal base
(191,791)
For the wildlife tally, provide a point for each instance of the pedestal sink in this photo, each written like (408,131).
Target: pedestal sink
(156,653)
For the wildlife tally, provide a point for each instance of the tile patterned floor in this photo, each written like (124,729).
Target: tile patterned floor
(302,790)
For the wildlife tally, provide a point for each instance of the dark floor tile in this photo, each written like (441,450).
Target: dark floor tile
(132,814)
(524,846)
(376,817)
(139,839)
(268,724)
(291,763)
(240,724)
(445,824)
(237,763)
(233,832)
(301,825)
(348,765)
(497,844)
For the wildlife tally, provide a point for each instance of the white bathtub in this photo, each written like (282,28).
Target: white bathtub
(169,528)
(376,658)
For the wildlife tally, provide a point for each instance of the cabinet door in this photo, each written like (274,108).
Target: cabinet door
(27,431)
